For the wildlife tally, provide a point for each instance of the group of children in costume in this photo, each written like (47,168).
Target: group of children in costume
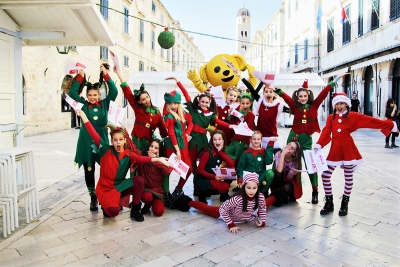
(185,134)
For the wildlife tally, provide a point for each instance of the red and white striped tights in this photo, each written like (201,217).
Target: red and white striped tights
(348,176)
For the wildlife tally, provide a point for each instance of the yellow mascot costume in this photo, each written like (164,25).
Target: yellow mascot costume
(224,70)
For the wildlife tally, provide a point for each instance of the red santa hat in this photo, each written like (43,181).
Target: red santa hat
(305,84)
(250,177)
(340,98)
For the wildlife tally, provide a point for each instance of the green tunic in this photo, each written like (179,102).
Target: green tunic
(256,161)
(201,182)
(98,117)
(203,120)
(178,132)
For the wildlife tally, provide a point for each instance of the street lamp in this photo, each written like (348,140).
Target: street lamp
(63,49)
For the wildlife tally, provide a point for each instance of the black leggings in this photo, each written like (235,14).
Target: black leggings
(89,176)
(393,137)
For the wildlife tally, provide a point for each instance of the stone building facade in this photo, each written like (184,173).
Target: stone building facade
(136,47)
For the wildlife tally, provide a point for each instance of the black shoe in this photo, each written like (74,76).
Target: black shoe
(145,209)
(236,189)
(181,203)
(387,146)
(135,213)
(280,197)
(202,196)
(328,207)
(344,206)
(224,197)
(314,198)
(168,199)
(394,145)
(177,192)
(105,214)
(93,203)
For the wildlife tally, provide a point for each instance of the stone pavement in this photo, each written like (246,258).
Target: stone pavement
(68,234)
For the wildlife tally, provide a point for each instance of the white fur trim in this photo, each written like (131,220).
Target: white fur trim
(267,104)
(344,162)
(317,146)
(338,99)
(395,129)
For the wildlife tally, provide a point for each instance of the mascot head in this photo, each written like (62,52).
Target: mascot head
(223,70)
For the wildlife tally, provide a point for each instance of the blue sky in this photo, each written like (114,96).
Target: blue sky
(218,17)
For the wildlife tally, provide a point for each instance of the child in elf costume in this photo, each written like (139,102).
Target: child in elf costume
(268,109)
(232,96)
(305,122)
(97,111)
(343,151)
(239,142)
(205,181)
(179,124)
(153,173)
(147,117)
(255,160)
(204,113)
(115,162)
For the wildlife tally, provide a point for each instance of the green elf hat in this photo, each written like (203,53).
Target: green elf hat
(173,97)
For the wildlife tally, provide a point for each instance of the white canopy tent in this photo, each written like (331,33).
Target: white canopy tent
(157,86)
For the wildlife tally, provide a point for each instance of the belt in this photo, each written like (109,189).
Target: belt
(305,121)
(147,125)
(198,129)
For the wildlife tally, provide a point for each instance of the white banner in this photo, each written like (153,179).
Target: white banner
(115,114)
(315,161)
(180,167)
(74,104)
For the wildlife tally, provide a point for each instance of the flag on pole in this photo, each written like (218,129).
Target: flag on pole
(343,15)
(319,17)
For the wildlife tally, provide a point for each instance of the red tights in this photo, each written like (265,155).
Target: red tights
(157,204)
(212,211)
(136,192)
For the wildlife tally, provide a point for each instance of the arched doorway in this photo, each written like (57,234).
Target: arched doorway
(368,91)
(65,107)
(347,85)
(396,82)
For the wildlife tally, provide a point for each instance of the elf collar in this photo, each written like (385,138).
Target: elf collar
(151,110)
(255,152)
(97,103)
(205,112)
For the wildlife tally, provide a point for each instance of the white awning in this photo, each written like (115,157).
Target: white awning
(334,73)
(297,79)
(376,60)
(158,78)
(79,22)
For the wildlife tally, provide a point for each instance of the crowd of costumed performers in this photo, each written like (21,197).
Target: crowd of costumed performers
(203,134)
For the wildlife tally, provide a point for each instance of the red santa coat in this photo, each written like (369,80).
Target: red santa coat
(343,150)
(268,112)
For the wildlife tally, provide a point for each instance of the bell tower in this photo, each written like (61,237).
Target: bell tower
(242,30)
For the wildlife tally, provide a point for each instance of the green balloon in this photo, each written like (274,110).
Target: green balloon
(166,39)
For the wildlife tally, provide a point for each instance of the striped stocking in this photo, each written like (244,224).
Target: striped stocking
(326,180)
(348,176)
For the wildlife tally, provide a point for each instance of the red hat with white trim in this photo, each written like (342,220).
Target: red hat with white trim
(340,98)
(250,177)
(305,84)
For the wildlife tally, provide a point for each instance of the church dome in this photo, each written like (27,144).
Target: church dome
(243,12)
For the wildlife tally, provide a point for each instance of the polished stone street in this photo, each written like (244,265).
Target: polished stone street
(68,234)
